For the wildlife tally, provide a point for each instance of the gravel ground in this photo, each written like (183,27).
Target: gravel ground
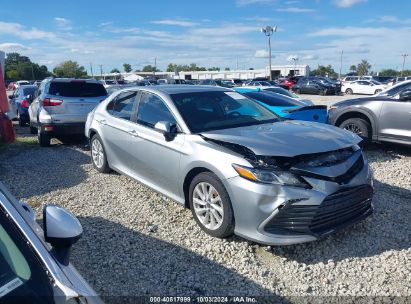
(137,242)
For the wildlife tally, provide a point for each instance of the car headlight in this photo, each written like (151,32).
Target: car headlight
(270,176)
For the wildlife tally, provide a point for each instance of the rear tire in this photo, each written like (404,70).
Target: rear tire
(215,203)
(357,126)
(98,155)
(348,91)
(44,139)
(22,123)
(297,91)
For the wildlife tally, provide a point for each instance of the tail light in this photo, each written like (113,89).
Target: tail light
(51,102)
(25,103)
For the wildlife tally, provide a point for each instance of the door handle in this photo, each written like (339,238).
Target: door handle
(133,133)
(103,122)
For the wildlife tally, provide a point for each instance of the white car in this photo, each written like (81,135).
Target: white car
(20,82)
(363,87)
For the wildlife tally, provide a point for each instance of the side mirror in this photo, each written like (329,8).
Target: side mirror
(168,129)
(405,95)
(61,229)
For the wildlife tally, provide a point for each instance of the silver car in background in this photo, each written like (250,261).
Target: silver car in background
(376,118)
(34,264)
(236,165)
(61,105)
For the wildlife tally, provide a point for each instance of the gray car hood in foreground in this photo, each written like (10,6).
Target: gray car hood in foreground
(287,138)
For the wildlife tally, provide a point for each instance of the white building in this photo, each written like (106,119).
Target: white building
(279,70)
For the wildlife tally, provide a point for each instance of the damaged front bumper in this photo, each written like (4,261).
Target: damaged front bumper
(282,215)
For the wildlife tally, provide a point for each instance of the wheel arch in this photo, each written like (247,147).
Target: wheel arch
(357,114)
(187,181)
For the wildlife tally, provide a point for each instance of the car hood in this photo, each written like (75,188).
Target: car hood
(362,100)
(286,138)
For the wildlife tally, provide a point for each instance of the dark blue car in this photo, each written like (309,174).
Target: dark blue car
(20,102)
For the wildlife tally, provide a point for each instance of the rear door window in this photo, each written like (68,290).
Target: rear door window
(77,89)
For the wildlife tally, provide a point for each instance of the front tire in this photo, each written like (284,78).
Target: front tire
(211,205)
(98,155)
(357,126)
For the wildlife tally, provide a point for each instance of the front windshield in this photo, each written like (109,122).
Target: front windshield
(205,111)
(21,272)
(375,82)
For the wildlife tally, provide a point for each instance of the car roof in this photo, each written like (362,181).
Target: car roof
(74,79)
(28,86)
(179,89)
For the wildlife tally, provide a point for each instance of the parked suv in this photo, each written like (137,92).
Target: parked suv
(61,105)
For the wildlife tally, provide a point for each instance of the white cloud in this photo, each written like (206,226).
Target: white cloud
(183,23)
(20,31)
(10,46)
(389,19)
(296,10)
(309,57)
(347,3)
(250,2)
(63,23)
(349,31)
(262,54)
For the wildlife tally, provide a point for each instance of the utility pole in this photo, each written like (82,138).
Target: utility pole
(91,70)
(342,52)
(101,70)
(268,31)
(403,62)
(237,64)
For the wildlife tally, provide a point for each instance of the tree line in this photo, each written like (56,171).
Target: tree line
(21,67)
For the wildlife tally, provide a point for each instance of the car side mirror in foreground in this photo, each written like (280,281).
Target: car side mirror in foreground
(168,129)
(61,229)
(405,95)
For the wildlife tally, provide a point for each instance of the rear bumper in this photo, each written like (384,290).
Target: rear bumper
(63,129)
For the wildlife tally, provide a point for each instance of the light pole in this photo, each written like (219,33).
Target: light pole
(403,62)
(268,31)
(341,58)
(295,59)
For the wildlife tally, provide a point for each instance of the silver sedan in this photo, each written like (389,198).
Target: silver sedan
(236,165)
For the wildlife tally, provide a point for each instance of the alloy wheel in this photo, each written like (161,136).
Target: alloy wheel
(97,153)
(208,205)
(354,129)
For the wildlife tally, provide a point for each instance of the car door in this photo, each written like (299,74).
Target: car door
(157,161)
(118,131)
(395,120)
(34,106)
(13,101)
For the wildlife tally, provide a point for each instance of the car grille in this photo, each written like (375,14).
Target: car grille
(337,210)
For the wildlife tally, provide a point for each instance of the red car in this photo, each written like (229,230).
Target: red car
(289,83)
(11,86)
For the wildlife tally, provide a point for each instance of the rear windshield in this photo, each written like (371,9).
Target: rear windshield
(77,89)
(29,91)
(273,100)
